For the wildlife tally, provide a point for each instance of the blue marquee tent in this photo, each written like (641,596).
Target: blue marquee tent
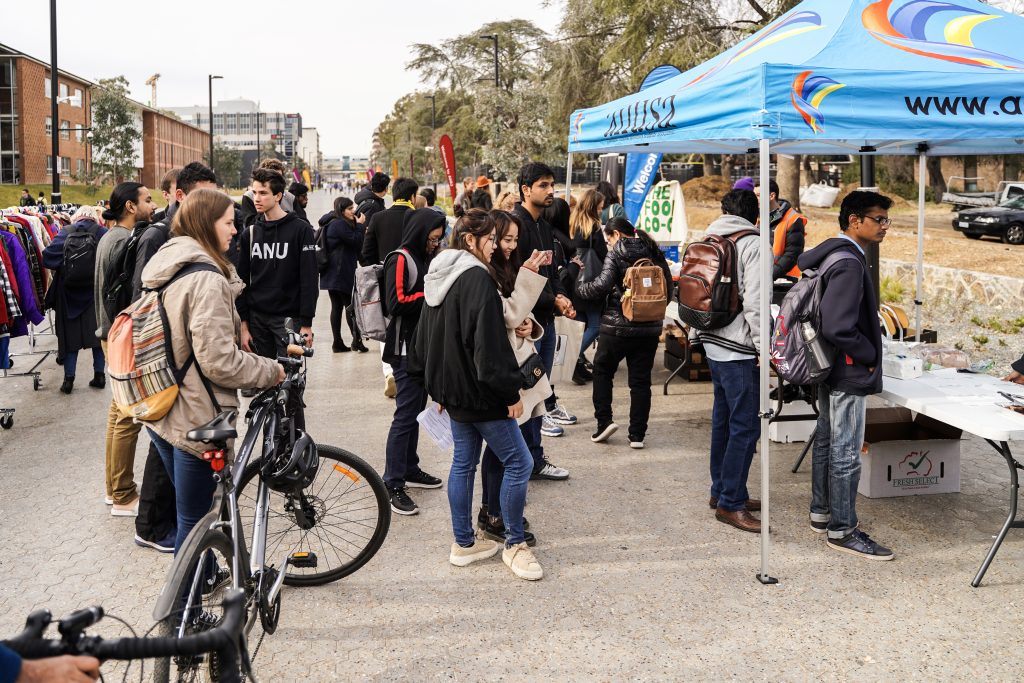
(922,77)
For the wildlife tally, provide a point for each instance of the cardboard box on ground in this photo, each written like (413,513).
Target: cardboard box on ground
(908,456)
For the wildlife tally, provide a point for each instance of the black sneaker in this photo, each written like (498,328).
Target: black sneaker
(494,529)
(603,432)
(859,543)
(221,580)
(481,517)
(402,503)
(819,527)
(422,480)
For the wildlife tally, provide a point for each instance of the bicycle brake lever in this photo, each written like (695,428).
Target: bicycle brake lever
(36,624)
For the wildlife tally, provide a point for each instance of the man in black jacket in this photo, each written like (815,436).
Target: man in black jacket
(384,229)
(277,263)
(537,191)
(849,321)
(370,199)
(192,176)
(404,276)
(301,194)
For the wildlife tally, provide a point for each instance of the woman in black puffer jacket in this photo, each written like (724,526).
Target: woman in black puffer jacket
(621,338)
(345,233)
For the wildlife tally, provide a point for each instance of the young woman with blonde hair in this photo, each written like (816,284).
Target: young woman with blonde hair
(591,247)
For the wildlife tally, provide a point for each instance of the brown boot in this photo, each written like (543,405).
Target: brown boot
(752,504)
(741,519)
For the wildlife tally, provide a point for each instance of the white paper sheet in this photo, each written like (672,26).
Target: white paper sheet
(438,426)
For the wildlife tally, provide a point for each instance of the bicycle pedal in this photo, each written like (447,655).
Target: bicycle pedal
(303,560)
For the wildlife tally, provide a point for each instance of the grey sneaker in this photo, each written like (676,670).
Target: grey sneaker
(549,428)
(859,543)
(552,472)
(561,416)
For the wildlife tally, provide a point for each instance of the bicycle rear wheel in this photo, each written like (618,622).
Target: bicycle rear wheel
(334,528)
(201,581)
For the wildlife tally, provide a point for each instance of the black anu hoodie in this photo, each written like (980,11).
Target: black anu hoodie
(849,318)
(404,292)
(277,263)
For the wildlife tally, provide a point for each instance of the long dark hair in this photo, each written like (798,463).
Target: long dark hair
(119,198)
(478,223)
(610,195)
(340,204)
(623,226)
(505,269)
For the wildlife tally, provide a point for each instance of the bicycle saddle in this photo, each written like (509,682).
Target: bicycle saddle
(220,428)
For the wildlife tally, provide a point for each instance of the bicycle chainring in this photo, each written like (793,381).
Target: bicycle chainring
(270,614)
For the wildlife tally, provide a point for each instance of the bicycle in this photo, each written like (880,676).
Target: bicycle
(307,499)
(223,641)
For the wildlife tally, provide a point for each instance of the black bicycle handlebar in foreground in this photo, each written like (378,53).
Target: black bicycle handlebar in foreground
(223,639)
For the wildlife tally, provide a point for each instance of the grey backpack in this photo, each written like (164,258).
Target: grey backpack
(800,355)
(370,297)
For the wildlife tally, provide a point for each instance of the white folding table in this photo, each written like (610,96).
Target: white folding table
(972,403)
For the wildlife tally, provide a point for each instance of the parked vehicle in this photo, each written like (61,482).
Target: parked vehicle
(1005,191)
(1005,221)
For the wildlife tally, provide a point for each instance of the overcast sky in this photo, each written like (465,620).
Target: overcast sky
(339,63)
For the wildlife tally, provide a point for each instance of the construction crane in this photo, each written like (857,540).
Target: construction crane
(151,82)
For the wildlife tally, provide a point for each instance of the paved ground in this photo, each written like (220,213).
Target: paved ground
(642,583)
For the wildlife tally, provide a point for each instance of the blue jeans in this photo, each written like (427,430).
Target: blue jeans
(835,469)
(401,458)
(71,362)
(193,485)
(734,430)
(507,441)
(591,332)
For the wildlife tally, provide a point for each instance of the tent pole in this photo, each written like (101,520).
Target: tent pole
(568,178)
(766,323)
(921,167)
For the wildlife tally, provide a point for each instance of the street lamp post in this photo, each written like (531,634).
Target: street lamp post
(257,164)
(210,90)
(433,127)
(494,37)
(54,117)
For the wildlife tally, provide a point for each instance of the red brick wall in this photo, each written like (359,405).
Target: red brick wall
(33,108)
(168,143)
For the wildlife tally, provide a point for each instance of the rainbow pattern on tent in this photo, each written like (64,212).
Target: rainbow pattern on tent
(808,92)
(906,29)
(788,26)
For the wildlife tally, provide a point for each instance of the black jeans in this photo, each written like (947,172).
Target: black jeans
(639,353)
(157,510)
(401,458)
(340,301)
(268,334)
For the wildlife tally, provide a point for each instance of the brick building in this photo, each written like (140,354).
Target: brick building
(25,120)
(167,143)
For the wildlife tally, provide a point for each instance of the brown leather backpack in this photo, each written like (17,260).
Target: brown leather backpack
(709,287)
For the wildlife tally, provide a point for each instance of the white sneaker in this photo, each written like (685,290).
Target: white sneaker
(130,510)
(561,416)
(481,549)
(521,560)
(108,500)
(636,444)
(390,388)
(552,472)
(549,428)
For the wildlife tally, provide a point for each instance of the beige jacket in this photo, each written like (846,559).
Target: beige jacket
(517,308)
(203,320)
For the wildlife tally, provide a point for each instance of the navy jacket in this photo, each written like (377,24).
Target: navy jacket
(344,242)
(76,300)
(849,318)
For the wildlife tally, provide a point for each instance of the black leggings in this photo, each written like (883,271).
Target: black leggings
(340,301)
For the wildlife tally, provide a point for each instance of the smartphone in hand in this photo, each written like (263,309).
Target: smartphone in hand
(548,257)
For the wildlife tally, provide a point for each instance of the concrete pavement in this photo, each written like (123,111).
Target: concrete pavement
(641,582)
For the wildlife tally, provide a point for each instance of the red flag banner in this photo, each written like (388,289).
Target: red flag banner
(448,159)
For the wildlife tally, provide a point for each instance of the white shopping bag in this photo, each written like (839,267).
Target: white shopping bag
(438,426)
(568,337)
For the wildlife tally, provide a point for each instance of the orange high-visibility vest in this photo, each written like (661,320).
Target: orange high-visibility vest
(779,243)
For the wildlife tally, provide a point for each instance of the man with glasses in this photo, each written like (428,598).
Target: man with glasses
(849,321)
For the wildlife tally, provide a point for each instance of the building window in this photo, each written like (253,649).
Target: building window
(47,82)
(49,126)
(79,133)
(62,89)
(80,167)
(65,130)
(65,166)
(49,164)
(78,101)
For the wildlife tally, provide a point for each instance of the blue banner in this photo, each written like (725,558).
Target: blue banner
(641,168)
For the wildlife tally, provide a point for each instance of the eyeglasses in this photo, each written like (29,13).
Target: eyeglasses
(884,222)
(434,240)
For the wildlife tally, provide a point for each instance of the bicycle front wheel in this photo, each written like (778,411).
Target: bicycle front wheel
(329,531)
(200,582)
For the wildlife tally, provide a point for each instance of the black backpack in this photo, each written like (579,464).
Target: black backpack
(79,263)
(117,279)
(323,256)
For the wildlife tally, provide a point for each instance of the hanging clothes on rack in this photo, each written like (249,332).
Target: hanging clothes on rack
(21,284)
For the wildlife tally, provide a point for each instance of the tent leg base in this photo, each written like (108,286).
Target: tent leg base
(767,580)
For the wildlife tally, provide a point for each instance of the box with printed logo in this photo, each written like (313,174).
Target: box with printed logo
(905,455)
